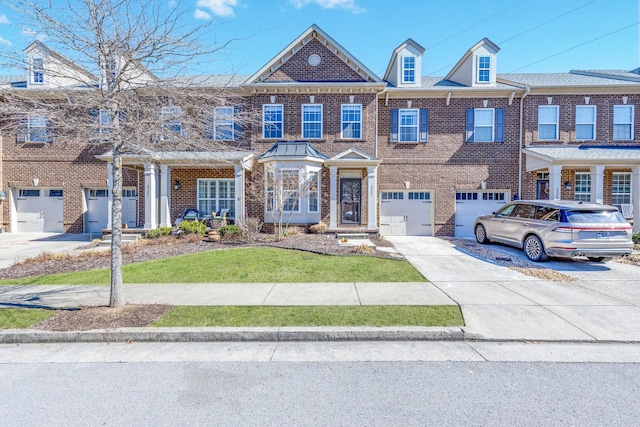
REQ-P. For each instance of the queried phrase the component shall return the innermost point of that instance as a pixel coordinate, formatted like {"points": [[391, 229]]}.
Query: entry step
{"points": [[352, 236]]}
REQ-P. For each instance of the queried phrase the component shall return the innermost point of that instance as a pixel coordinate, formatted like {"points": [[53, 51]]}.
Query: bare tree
{"points": [[128, 69]]}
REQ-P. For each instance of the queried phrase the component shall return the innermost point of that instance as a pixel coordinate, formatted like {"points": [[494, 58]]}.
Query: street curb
{"points": [[282, 334]]}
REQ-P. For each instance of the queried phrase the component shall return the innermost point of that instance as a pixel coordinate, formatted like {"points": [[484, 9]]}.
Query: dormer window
{"points": [[484, 69], [37, 71], [409, 69]]}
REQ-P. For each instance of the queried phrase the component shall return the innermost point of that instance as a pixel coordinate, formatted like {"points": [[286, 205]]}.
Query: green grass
{"points": [[21, 318], [245, 265], [203, 316]]}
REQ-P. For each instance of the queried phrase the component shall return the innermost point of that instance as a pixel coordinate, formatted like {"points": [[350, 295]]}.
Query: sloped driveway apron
{"points": [[500, 303]]}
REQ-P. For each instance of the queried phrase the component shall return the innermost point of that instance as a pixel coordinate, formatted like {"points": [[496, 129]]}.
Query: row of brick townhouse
{"points": [[399, 154]]}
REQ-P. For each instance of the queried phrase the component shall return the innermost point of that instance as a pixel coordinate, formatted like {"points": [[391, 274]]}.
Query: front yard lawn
{"points": [[244, 265]]}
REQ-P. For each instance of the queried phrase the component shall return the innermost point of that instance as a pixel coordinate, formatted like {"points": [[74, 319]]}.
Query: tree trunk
{"points": [[117, 295]]}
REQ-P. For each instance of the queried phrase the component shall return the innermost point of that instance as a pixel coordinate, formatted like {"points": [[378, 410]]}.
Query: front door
{"points": [[350, 201], [542, 189]]}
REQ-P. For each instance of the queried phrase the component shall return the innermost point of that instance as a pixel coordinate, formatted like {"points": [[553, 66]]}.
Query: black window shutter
{"points": [[470, 113], [499, 124], [22, 129], [237, 125], [424, 125], [49, 130], [394, 125]]}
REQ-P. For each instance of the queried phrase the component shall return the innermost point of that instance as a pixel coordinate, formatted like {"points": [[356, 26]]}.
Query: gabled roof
{"points": [[353, 158], [394, 55], [292, 150], [572, 79], [484, 42], [313, 32], [41, 46]]}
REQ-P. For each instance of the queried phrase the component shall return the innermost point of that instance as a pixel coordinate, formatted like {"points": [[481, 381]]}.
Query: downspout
{"points": [[521, 139]]}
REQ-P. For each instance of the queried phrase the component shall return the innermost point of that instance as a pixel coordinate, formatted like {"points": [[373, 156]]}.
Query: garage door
{"points": [[40, 210], [471, 204], [406, 213], [97, 215]]}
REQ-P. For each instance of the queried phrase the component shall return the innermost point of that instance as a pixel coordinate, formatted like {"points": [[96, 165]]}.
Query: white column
{"points": [[555, 182], [239, 184], [372, 184], [165, 196], [110, 193], [597, 184], [333, 197], [150, 197], [635, 197]]}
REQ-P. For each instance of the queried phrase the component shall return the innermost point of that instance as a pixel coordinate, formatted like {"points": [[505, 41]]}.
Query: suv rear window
{"points": [[594, 217]]}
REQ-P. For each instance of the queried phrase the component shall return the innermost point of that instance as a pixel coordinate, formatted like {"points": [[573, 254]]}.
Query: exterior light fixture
{"points": [[176, 184], [568, 186]]}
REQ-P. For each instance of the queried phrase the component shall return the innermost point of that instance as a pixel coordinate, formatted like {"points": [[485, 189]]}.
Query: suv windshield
{"points": [[594, 217]]}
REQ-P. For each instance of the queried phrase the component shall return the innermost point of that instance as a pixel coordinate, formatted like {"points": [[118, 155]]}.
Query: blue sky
{"points": [[534, 35]]}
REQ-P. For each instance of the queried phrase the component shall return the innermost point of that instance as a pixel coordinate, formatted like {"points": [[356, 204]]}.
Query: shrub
{"points": [[292, 231], [250, 228], [636, 238], [319, 228], [192, 227], [159, 232], [363, 249], [230, 231]]}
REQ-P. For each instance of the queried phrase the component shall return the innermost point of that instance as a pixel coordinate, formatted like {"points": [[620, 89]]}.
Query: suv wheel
{"points": [[481, 234], [534, 250]]}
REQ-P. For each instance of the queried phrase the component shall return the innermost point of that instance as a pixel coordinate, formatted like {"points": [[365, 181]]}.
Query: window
{"points": [[172, 122], [620, 188], [214, 195], [484, 69], [272, 121], [223, 123], [409, 125], [351, 121], [314, 192], [547, 122], [37, 71], [29, 193], [582, 190], [283, 190], [409, 69], [485, 125], [585, 122], [312, 121], [419, 195], [623, 122], [98, 193], [392, 195], [54, 193]]}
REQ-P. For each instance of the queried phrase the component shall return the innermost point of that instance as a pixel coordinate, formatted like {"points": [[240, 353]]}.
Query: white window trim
{"points": [[595, 119], [303, 122], [172, 117], [633, 112], [556, 123], [221, 119], [579, 176], [264, 122], [39, 70], [493, 124], [478, 69], [33, 118], [404, 68], [216, 198], [342, 122], [417, 125], [629, 193]]}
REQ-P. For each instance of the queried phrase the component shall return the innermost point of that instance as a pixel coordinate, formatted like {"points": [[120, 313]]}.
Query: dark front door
{"points": [[350, 200], [542, 189]]}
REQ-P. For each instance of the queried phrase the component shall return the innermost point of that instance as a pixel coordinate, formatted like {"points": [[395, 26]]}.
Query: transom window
{"points": [[582, 191], [392, 195], [466, 196], [312, 121], [37, 70], [547, 122], [484, 69], [409, 69], [351, 121], [419, 195], [483, 125], [620, 188], [272, 121], [216, 195], [29, 193], [585, 122], [408, 120], [623, 122]]}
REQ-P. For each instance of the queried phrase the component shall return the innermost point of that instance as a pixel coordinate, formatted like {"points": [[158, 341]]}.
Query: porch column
{"points": [[165, 196], [635, 197], [239, 184], [150, 197], [555, 178], [110, 194], [372, 184], [597, 184], [333, 197]]}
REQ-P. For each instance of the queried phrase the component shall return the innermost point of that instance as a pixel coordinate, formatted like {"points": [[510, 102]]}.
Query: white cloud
{"points": [[173, 3], [4, 19], [219, 7], [331, 4], [5, 42], [31, 33], [201, 14]]}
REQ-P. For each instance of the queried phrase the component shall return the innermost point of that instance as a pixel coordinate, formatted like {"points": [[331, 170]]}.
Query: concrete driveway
{"points": [[19, 246], [602, 304]]}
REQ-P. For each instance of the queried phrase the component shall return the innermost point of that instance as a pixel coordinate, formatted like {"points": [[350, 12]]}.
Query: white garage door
{"points": [[97, 215], [471, 204], [406, 213], [40, 210]]}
